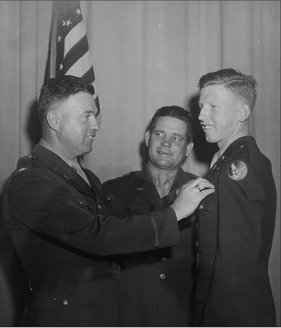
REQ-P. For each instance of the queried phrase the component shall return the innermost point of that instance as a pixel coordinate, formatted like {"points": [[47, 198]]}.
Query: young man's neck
{"points": [[243, 132]]}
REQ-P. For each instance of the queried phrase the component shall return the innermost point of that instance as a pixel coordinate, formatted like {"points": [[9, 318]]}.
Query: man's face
{"points": [[167, 144], [219, 114], [77, 125]]}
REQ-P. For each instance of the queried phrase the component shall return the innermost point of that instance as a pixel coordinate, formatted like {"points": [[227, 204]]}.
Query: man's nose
{"points": [[202, 113], [166, 141], [94, 124]]}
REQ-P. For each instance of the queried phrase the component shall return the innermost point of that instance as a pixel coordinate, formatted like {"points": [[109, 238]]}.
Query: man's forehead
{"points": [[82, 100], [215, 91], [169, 121], [171, 124]]}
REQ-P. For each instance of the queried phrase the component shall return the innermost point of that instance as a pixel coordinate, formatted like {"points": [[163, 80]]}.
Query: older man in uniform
{"points": [[62, 230], [236, 223], [156, 287]]}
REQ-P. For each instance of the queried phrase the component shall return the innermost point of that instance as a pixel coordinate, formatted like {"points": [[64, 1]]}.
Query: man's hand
{"points": [[190, 195]]}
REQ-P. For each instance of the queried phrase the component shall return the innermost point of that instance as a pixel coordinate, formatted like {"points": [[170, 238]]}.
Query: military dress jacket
{"points": [[65, 237], [156, 287], [236, 226]]}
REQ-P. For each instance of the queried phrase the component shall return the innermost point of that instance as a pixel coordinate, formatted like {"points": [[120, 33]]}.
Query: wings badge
{"points": [[237, 170]]}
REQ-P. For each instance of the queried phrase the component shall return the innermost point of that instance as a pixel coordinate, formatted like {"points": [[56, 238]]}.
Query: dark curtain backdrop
{"points": [[146, 54]]}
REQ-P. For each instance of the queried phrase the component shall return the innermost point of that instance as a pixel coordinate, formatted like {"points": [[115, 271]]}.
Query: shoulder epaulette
{"points": [[24, 164], [242, 152], [123, 179]]}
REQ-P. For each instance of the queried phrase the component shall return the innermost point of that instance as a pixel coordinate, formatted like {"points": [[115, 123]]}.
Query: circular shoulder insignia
{"points": [[237, 170]]}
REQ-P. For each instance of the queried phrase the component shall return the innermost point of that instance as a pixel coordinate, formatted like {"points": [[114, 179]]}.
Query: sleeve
{"points": [[115, 204], [241, 211], [42, 205]]}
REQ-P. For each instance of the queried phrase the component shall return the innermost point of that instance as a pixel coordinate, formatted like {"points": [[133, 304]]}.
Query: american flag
{"points": [[69, 49]]}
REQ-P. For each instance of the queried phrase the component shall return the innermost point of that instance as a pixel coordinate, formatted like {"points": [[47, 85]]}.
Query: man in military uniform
{"points": [[236, 223], [62, 230], [156, 287]]}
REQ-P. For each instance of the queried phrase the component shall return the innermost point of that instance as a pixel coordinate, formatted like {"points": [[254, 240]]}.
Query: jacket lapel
{"points": [[64, 171], [75, 180], [144, 187]]}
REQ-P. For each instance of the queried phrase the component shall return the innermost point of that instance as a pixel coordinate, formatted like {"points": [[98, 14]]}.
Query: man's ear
{"points": [[146, 138], [189, 148], [244, 112], [52, 120]]}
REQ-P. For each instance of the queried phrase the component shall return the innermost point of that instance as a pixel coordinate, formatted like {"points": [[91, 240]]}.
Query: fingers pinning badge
{"points": [[237, 170]]}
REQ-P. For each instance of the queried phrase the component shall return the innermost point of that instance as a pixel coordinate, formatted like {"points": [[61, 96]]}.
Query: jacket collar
{"points": [[54, 163], [144, 187], [238, 143]]}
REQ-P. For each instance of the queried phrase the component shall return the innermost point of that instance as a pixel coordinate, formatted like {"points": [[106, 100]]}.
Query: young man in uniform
{"points": [[236, 223]]}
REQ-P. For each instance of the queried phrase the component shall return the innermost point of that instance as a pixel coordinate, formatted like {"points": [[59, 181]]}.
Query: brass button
{"points": [[65, 302], [162, 276]]}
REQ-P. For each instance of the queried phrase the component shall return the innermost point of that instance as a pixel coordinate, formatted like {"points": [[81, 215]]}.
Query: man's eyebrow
{"points": [[179, 135], [89, 111]]}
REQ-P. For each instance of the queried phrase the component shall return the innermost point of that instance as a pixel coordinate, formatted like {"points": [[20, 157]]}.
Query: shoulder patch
{"points": [[237, 170]]}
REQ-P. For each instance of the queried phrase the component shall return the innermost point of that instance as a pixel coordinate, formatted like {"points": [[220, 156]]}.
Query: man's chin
{"points": [[87, 150], [163, 165], [210, 138]]}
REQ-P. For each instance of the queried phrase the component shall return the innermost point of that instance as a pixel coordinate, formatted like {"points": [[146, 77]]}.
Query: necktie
{"points": [[162, 185], [77, 168]]}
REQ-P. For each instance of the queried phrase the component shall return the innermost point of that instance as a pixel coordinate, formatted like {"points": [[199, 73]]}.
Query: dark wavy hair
{"points": [[176, 112]]}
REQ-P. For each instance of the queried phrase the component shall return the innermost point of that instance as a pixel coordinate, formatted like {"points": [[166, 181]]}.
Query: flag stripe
{"points": [[80, 66], [76, 52], [90, 75], [74, 35]]}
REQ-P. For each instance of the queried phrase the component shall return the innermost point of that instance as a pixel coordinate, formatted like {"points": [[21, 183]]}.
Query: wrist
{"points": [[177, 212]]}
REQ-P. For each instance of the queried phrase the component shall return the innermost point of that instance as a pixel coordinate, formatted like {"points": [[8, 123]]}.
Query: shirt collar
{"points": [[154, 173]]}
